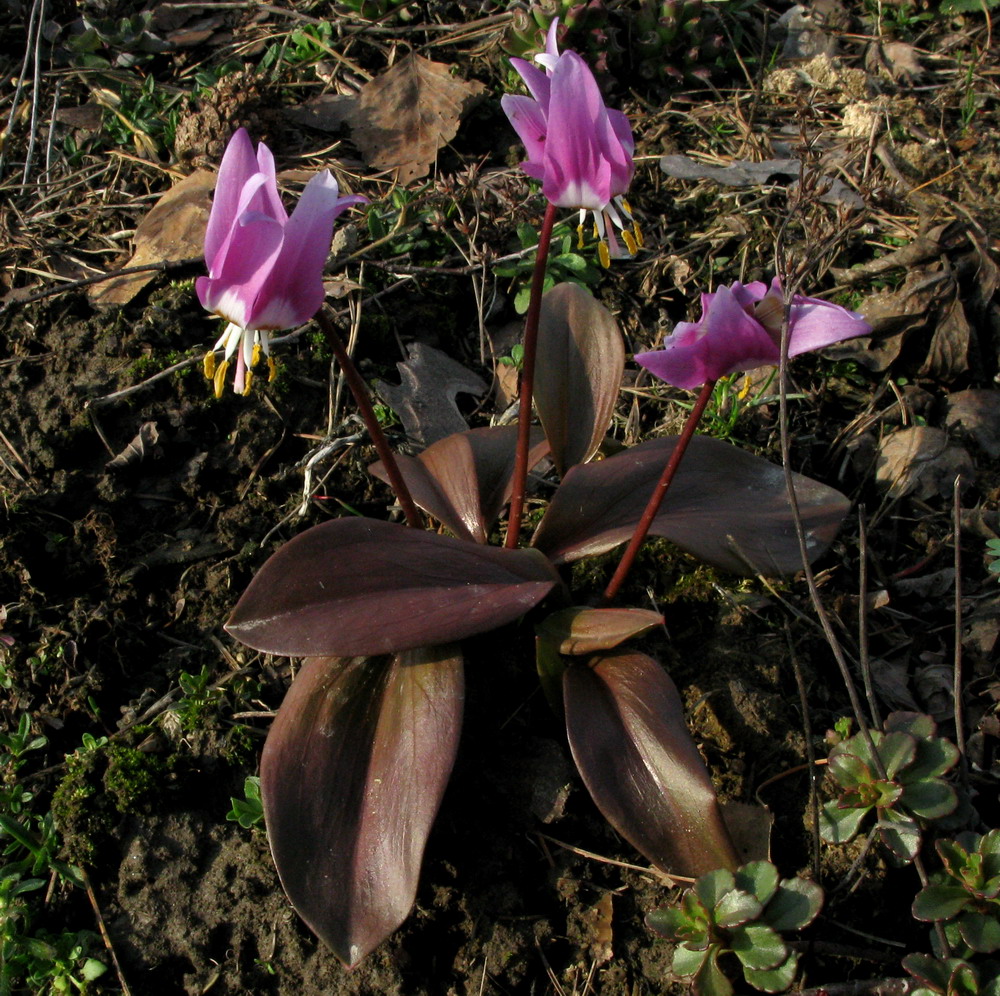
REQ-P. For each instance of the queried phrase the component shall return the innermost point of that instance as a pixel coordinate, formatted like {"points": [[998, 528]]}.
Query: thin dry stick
{"points": [[104, 932], [957, 668], [863, 658]]}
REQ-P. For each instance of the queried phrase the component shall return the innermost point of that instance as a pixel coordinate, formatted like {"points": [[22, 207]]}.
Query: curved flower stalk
{"points": [[265, 269], [578, 148], [740, 328]]}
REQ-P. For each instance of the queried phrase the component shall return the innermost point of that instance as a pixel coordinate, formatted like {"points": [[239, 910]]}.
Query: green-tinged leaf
{"points": [[626, 729], [954, 856], [981, 931], [93, 969], [849, 770], [838, 826], [670, 923], [464, 480], [930, 799], [931, 971], [897, 750], [361, 586], [705, 513], [963, 981], [939, 902], [550, 666], [759, 878], [578, 373], [934, 758], [795, 904], [711, 980], [900, 834], [688, 960], [736, 907], [917, 724], [712, 886], [773, 980], [758, 947], [580, 630], [352, 774]]}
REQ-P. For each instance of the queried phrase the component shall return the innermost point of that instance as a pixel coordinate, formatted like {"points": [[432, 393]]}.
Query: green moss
{"points": [[132, 777]]}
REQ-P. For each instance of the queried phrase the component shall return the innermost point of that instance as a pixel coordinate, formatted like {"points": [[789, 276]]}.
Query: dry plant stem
{"points": [[520, 478], [659, 493], [360, 392], [957, 668], [810, 750], [864, 660]]}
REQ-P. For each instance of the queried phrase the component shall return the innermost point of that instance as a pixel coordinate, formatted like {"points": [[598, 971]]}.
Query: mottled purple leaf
{"points": [[352, 774], [725, 507], [464, 480], [582, 630], [578, 372], [361, 586], [626, 730]]}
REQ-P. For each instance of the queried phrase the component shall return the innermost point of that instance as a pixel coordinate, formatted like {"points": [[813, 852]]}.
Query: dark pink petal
{"points": [[528, 121], [238, 165], [293, 289], [749, 294], [727, 339], [576, 173], [535, 80]]}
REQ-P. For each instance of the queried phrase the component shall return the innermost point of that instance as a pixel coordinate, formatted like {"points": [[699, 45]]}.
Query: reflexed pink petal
{"points": [[272, 205], [815, 323], [293, 290], [238, 165], [528, 121], [535, 80], [749, 294]]}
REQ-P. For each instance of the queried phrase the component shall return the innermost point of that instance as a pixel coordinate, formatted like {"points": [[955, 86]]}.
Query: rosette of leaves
{"points": [[951, 977], [736, 918], [360, 752], [901, 782], [676, 39], [965, 895], [583, 28]]}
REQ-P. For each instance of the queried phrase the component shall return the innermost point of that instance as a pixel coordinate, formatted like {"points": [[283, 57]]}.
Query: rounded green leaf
{"points": [[838, 826], [758, 947], [773, 980], [712, 886], [735, 908], [759, 878], [711, 980], [669, 923], [849, 770], [688, 960], [897, 750], [795, 904], [939, 902], [930, 799], [980, 931]]}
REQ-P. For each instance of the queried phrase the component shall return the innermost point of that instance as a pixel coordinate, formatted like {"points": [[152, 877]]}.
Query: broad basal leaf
{"points": [[626, 729], [464, 479], [352, 774], [361, 586], [578, 372], [582, 630], [726, 507]]}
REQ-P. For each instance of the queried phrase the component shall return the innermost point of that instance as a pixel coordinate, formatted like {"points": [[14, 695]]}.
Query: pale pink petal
{"points": [[814, 324], [293, 289], [528, 121], [535, 80], [749, 294], [238, 165], [270, 197]]}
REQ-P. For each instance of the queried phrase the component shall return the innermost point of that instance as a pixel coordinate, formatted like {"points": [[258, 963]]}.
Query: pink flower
{"points": [[740, 329], [265, 270], [579, 149]]}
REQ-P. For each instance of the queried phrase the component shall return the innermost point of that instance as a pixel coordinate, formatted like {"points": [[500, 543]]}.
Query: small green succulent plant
{"points": [[951, 977], [736, 918], [965, 895], [911, 793]]}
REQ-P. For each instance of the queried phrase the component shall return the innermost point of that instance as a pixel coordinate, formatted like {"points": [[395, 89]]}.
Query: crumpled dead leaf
{"points": [[743, 173], [406, 114], [948, 355], [977, 412], [173, 230], [922, 461], [424, 400], [144, 445]]}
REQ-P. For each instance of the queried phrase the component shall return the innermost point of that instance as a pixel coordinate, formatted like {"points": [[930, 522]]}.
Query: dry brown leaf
{"points": [[948, 356], [173, 230], [409, 112], [921, 461], [143, 446], [977, 412]]}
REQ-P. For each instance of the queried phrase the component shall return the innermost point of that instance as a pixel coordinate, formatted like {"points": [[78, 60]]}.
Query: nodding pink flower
{"points": [[579, 149], [740, 328], [265, 269]]}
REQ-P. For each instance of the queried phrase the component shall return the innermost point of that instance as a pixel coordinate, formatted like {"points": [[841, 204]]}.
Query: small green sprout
{"points": [[249, 811], [516, 358], [965, 894], [738, 914], [911, 793], [993, 553], [949, 977]]}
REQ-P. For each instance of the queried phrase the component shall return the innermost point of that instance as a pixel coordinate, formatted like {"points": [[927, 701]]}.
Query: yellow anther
{"points": [[637, 232], [630, 243], [255, 355], [220, 377], [208, 365], [597, 231], [745, 389], [247, 381], [579, 236], [604, 254], [272, 369]]}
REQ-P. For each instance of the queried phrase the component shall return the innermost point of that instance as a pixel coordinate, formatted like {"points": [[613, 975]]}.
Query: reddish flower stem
{"points": [[659, 492], [360, 391], [520, 478]]}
